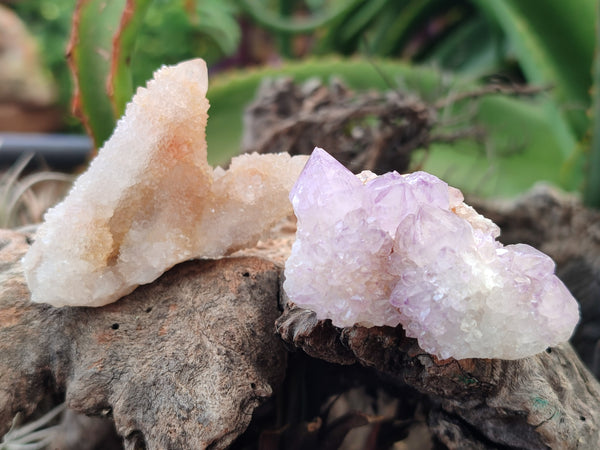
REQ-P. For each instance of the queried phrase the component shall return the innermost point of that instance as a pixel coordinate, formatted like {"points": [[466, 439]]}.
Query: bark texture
{"points": [[184, 362], [366, 131], [560, 226], [180, 363], [549, 400], [546, 401]]}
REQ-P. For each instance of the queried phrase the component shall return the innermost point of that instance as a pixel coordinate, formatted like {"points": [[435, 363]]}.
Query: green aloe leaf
{"points": [[591, 191], [120, 82], [89, 54], [103, 37], [526, 140], [554, 44], [230, 93], [525, 144]]}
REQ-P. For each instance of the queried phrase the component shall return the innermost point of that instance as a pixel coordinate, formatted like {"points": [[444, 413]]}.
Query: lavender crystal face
{"points": [[396, 249]]}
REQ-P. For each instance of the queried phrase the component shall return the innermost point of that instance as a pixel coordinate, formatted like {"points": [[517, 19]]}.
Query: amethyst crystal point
{"points": [[406, 249], [329, 270]]}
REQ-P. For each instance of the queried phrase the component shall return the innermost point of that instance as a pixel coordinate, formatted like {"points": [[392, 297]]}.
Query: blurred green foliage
{"points": [[548, 43], [464, 43], [591, 191], [523, 145], [175, 30], [169, 32]]}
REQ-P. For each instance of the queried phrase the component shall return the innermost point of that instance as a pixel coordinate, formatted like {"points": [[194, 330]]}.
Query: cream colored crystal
{"points": [[150, 200]]}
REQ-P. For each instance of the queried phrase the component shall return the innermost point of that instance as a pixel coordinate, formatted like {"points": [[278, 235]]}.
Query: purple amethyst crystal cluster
{"points": [[392, 249]]}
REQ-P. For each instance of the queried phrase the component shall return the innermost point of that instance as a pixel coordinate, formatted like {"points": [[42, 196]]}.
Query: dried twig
{"points": [[510, 90]]}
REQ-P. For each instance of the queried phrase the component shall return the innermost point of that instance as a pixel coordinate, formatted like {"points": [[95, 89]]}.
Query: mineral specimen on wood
{"points": [[396, 249], [151, 200]]}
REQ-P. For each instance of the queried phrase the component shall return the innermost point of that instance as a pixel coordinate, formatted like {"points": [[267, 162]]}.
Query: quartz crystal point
{"points": [[396, 249], [150, 200]]}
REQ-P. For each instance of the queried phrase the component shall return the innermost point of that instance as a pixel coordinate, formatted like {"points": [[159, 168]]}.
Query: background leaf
{"points": [[554, 43], [120, 81], [524, 145], [89, 54], [591, 192]]}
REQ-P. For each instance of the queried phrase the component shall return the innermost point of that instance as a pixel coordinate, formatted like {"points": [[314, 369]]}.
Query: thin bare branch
{"points": [[512, 90]]}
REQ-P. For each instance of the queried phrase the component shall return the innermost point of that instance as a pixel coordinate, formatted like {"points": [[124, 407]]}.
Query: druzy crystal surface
{"points": [[150, 200], [392, 249]]}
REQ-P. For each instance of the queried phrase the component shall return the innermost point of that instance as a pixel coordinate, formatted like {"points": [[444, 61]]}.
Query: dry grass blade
{"points": [[20, 203], [8, 179], [33, 436], [35, 203]]}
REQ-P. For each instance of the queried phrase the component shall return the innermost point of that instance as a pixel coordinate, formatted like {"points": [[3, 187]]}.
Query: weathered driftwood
{"points": [[180, 363], [80, 432], [561, 227], [546, 401], [480, 403], [367, 131], [363, 130], [549, 400]]}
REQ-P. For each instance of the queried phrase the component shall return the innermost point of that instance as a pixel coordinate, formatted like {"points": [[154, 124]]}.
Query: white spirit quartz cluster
{"points": [[392, 249], [150, 200]]}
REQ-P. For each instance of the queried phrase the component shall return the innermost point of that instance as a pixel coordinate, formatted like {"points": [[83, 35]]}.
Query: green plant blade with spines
{"points": [[103, 38], [524, 144], [89, 54], [102, 47], [120, 83], [539, 137], [591, 190], [554, 44]]}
